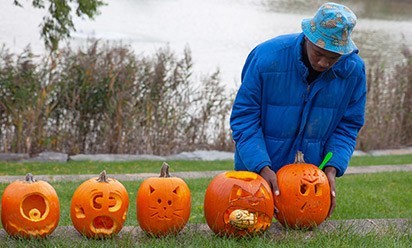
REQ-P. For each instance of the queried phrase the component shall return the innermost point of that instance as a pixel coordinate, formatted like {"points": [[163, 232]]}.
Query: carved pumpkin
{"points": [[238, 203], [304, 199], [163, 204], [99, 207], [30, 208]]}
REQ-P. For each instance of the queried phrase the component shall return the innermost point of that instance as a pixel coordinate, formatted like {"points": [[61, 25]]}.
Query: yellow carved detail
{"points": [[242, 219], [35, 214]]}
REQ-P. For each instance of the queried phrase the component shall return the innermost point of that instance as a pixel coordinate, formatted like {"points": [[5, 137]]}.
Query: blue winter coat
{"points": [[276, 112]]}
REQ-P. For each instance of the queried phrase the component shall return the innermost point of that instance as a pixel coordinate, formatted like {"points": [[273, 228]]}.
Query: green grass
{"points": [[374, 196], [363, 196], [95, 167], [381, 160]]}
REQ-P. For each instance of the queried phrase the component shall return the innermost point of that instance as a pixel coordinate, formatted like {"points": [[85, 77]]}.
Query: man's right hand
{"points": [[270, 176]]}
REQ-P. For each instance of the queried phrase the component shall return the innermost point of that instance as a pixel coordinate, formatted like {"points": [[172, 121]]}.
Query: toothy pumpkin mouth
{"points": [[32, 232]]}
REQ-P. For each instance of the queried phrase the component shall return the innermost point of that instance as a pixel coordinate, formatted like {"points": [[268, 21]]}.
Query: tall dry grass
{"points": [[389, 105], [107, 99]]}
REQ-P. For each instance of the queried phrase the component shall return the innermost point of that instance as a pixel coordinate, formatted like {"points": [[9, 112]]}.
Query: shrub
{"points": [[389, 105], [108, 100]]}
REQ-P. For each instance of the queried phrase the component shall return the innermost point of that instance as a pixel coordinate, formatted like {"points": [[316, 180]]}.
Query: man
{"points": [[301, 92]]}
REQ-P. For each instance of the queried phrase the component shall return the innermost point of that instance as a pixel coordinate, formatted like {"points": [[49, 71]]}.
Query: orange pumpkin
{"points": [[30, 208], [99, 207], [238, 203], [163, 204], [304, 199]]}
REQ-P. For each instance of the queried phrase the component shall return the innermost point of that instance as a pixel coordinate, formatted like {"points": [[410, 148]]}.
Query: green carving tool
{"points": [[325, 160]]}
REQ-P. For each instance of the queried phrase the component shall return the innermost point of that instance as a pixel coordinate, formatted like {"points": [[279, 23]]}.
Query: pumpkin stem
{"points": [[299, 158], [164, 172], [30, 178], [103, 177]]}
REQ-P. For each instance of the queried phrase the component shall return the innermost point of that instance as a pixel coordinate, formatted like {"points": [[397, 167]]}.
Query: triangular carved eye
{"points": [[262, 192], [304, 189], [177, 190], [238, 192], [151, 189]]}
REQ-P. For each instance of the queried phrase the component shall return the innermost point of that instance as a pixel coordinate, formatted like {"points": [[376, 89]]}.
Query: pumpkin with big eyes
{"points": [[238, 203], [99, 207], [304, 199], [30, 208], [163, 204]]}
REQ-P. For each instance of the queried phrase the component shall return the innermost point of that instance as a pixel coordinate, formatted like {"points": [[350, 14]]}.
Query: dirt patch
{"points": [[359, 226]]}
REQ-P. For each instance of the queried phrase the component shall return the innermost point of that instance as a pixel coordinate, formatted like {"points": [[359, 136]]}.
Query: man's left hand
{"points": [[331, 175]]}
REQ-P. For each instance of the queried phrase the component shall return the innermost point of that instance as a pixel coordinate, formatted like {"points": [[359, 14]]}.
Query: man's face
{"points": [[320, 59]]}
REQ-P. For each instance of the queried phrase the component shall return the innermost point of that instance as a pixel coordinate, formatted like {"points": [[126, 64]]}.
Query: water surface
{"points": [[220, 33]]}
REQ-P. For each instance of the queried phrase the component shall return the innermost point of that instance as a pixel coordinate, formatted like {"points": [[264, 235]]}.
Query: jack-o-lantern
{"points": [[304, 199], [238, 203], [30, 208], [99, 207], [163, 204]]}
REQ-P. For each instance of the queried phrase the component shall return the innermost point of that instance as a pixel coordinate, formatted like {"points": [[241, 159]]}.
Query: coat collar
{"points": [[342, 69]]}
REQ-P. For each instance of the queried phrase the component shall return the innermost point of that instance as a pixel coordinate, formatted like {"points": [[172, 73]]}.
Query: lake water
{"points": [[220, 33]]}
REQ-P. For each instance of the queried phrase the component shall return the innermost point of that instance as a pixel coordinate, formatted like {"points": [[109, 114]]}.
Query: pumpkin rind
{"points": [[99, 207], [238, 203], [163, 204], [30, 209], [304, 199]]}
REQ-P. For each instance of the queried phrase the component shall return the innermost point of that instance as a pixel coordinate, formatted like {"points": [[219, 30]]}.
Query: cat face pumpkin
{"points": [[163, 205], [247, 210], [238, 203]]}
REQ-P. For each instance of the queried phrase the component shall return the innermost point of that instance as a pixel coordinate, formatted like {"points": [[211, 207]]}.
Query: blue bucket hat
{"points": [[331, 27]]}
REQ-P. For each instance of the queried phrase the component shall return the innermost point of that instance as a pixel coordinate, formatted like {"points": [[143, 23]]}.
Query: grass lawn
{"points": [[363, 196], [94, 167]]}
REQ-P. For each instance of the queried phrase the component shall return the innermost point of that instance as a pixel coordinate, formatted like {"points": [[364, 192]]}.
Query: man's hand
{"points": [[331, 175], [270, 176]]}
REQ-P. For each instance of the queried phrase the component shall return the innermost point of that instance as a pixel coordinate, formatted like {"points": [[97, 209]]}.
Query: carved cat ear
{"points": [[151, 189], [237, 193], [262, 192], [176, 190]]}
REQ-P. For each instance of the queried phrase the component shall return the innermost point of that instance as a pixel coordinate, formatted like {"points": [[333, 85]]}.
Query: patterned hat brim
{"points": [[325, 42]]}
